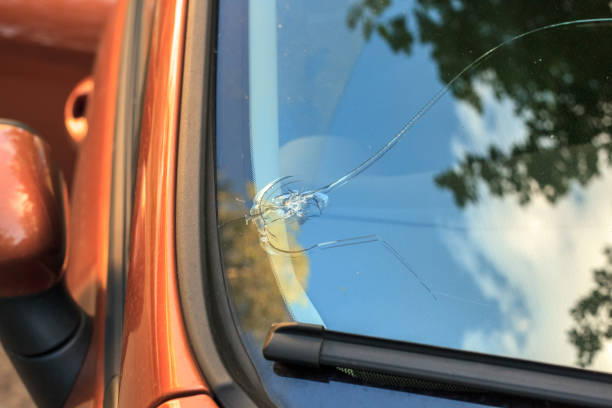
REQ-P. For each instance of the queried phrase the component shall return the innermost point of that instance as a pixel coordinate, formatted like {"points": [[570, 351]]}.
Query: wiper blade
{"points": [[316, 347]]}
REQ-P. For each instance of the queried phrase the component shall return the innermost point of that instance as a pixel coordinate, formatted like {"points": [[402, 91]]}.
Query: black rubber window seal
{"points": [[207, 310]]}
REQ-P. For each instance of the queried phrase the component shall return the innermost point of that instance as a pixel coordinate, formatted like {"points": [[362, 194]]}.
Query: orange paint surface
{"points": [[32, 217], [74, 24], [90, 205], [34, 84], [194, 401], [157, 362]]}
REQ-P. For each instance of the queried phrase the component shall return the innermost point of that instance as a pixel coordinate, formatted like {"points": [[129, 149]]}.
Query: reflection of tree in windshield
{"points": [[559, 82], [394, 30], [254, 289], [564, 94], [593, 315]]}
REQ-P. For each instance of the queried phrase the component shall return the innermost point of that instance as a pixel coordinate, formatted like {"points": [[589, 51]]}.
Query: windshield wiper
{"points": [[316, 347]]}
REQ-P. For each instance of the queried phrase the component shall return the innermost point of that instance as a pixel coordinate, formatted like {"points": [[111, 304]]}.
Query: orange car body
{"points": [[157, 368]]}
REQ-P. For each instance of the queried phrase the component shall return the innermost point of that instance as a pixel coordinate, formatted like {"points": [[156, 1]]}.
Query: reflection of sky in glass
{"points": [[505, 276]]}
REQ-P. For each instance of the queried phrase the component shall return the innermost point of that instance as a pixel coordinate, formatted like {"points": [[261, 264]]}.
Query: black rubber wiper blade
{"points": [[316, 347]]}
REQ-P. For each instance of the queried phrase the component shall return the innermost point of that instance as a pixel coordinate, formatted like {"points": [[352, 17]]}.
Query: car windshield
{"points": [[429, 171]]}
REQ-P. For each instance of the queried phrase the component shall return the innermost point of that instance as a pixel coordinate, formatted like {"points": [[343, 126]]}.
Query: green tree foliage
{"points": [[560, 82], [393, 30], [248, 269], [593, 315]]}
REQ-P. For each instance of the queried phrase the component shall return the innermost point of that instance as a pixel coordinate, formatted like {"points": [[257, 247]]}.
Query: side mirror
{"points": [[44, 332]]}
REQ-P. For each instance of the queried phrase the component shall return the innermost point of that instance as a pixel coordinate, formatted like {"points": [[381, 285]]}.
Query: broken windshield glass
{"points": [[284, 200], [442, 164]]}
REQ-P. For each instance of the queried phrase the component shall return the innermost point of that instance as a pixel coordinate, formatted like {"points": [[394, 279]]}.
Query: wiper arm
{"points": [[316, 347]]}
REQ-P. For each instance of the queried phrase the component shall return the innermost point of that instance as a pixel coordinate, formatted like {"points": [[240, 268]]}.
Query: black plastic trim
{"points": [[36, 324], [47, 337], [314, 346], [207, 310]]}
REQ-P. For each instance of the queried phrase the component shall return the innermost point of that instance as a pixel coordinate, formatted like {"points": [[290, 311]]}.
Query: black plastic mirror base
{"points": [[46, 336], [35, 324]]}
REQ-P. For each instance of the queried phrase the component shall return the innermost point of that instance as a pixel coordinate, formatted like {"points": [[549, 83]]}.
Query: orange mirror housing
{"points": [[32, 213]]}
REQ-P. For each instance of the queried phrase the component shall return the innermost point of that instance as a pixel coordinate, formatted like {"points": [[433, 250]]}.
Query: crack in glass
{"points": [[280, 200]]}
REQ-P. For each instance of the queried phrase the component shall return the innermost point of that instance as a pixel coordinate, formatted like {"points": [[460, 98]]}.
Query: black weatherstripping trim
{"points": [[314, 346], [206, 307]]}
